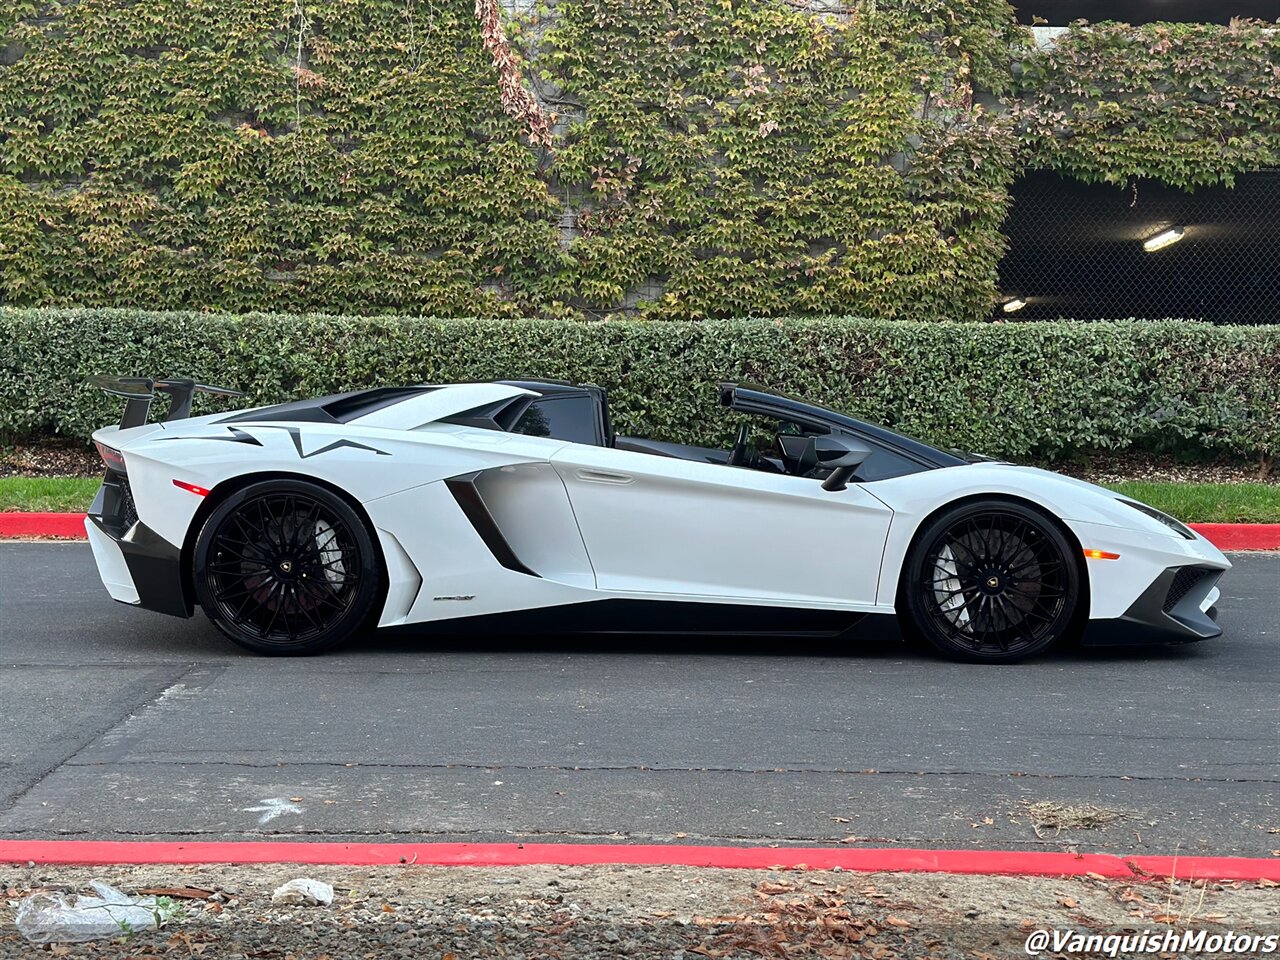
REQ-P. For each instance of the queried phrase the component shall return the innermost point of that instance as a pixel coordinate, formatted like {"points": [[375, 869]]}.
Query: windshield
{"points": [[757, 400]]}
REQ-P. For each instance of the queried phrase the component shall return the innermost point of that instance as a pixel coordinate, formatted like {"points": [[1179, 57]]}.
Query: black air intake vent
{"points": [[128, 511], [1184, 581]]}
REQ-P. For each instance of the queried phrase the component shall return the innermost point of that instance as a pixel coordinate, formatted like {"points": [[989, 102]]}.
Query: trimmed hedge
{"points": [[1027, 390]]}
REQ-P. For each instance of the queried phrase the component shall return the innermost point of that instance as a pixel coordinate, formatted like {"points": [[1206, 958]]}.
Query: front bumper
{"points": [[136, 564], [1178, 607]]}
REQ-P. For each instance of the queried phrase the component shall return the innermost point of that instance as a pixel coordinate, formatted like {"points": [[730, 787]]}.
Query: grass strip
{"points": [[1208, 502], [48, 494]]}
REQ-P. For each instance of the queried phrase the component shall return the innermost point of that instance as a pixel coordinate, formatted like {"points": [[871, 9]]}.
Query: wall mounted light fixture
{"points": [[1166, 238]]}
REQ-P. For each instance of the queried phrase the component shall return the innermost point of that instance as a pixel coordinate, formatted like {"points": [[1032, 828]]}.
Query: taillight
{"points": [[111, 457]]}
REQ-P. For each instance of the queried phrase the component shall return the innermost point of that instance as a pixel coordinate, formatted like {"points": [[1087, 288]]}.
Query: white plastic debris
{"points": [[304, 891], [46, 918]]}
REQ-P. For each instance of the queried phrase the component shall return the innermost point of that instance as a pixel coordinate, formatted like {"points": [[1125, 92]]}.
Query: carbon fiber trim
{"points": [[155, 566]]}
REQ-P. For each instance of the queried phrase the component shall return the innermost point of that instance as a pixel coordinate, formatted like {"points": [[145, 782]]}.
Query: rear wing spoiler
{"points": [[138, 393]]}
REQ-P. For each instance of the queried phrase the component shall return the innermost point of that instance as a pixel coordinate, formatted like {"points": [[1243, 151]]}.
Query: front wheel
{"points": [[286, 567], [991, 582]]}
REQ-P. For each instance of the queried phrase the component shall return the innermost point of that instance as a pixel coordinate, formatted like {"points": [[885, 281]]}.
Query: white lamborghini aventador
{"points": [[512, 506]]}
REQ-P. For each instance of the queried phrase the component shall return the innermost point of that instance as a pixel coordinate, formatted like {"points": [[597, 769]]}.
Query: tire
{"points": [[286, 568], [991, 581]]}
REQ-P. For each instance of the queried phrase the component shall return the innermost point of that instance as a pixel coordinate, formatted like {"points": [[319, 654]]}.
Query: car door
{"points": [[661, 525]]}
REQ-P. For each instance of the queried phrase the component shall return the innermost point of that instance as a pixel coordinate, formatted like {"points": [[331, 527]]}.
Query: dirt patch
{"points": [[1111, 468], [50, 459], [668, 912]]}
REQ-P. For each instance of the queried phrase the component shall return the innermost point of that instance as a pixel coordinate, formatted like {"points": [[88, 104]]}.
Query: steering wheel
{"points": [[743, 452]]}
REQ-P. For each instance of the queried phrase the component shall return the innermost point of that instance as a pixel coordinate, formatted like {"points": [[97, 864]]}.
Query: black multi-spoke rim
{"points": [[283, 567], [995, 583]]}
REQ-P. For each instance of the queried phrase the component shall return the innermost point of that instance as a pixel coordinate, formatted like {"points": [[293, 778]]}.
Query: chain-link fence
{"points": [[1059, 13], [1144, 250]]}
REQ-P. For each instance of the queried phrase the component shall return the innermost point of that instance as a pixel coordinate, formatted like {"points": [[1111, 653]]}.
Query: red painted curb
{"points": [[1240, 536], [996, 862], [1225, 536], [63, 525]]}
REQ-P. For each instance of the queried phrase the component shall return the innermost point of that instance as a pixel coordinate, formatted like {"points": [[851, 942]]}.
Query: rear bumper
{"points": [[1178, 607], [136, 564]]}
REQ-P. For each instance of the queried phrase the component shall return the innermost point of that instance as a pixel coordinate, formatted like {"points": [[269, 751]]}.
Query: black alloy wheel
{"points": [[286, 567], [992, 582]]}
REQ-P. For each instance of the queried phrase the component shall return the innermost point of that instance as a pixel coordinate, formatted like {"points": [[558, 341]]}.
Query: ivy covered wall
{"points": [[1187, 104], [671, 158]]}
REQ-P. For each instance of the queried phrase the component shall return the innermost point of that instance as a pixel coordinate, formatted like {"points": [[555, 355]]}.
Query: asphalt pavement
{"points": [[118, 723]]}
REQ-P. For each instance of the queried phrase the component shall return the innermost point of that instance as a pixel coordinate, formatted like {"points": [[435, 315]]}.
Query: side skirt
{"points": [[659, 617]]}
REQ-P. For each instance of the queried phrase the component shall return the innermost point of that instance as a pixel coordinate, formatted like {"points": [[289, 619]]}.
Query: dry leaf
{"points": [[1264, 882], [897, 921], [1069, 903], [773, 889], [178, 893], [1096, 876], [716, 921]]}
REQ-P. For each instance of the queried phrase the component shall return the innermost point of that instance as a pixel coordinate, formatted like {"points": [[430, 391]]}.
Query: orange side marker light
{"points": [[1090, 554], [201, 491]]}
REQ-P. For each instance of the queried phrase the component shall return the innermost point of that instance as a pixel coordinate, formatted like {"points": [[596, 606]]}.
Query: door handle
{"points": [[601, 476]]}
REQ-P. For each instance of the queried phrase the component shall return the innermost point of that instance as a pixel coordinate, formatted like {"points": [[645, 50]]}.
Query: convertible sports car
{"points": [[512, 506]]}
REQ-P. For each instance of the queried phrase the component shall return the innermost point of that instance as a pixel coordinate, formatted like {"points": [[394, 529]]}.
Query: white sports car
{"points": [[512, 506]]}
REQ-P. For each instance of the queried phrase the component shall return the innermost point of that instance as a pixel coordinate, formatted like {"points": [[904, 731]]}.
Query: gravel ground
{"points": [[566, 913]]}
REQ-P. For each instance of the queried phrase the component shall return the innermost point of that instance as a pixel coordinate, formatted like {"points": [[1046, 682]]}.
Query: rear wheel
{"points": [[286, 567], [991, 582]]}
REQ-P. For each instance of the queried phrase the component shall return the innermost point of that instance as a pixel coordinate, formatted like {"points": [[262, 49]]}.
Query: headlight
{"points": [[1177, 526]]}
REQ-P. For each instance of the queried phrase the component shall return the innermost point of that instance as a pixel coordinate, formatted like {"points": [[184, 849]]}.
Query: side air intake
{"points": [[467, 494]]}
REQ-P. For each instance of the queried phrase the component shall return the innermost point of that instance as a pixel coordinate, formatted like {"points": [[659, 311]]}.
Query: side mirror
{"points": [[843, 455]]}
